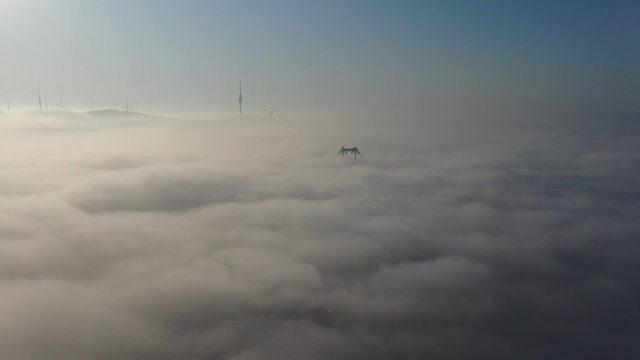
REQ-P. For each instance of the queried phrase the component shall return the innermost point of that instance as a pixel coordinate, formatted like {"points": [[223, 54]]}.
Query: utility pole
{"points": [[240, 98]]}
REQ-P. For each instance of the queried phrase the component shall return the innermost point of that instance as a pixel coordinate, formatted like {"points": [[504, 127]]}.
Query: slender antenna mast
{"points": [[240, 98], [39, 100]]}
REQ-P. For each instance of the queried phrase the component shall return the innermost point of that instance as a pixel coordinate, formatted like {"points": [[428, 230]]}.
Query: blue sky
{"points": [[325, 54]]}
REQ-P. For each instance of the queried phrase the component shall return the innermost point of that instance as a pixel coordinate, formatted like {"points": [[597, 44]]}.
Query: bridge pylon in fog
{"points": [[351, 153]]}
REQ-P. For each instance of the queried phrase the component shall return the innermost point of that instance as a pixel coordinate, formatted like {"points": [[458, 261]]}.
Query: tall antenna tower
{"points": [[240, 99]]}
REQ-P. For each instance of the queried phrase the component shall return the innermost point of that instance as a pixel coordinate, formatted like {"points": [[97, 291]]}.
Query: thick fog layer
{"points": [[149, 238]]}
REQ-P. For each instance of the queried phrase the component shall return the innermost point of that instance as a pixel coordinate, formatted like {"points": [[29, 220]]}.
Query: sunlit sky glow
{"points": [[327, 54]]}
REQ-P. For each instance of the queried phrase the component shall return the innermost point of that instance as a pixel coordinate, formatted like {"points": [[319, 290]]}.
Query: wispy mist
{"points": [[491, 214]]}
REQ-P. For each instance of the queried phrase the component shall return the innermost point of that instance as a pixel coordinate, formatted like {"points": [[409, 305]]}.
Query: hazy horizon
{"points": [[518, 60]]}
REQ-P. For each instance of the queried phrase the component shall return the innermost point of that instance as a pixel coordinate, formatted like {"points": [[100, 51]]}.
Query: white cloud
{"points": [[253, 241]]}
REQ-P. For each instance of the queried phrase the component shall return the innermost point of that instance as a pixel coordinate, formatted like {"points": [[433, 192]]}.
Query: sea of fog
{"points": [[129, 236]]}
